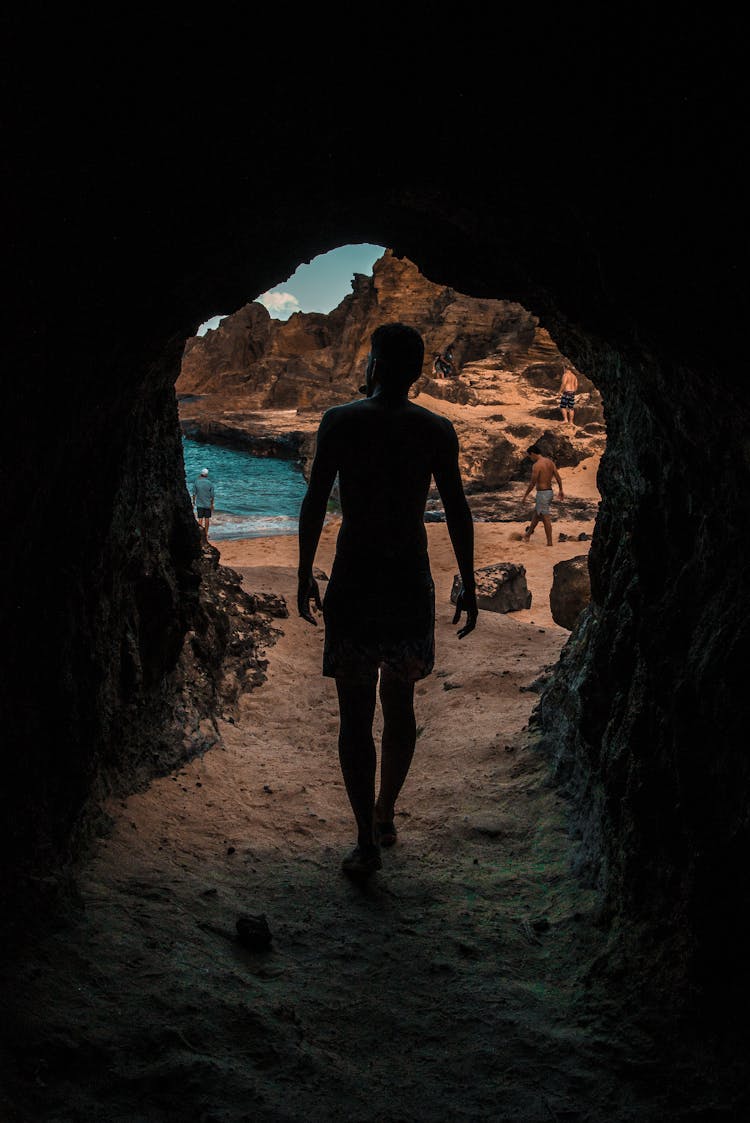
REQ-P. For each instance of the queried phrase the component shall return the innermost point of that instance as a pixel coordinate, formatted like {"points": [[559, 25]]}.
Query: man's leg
{"points": [[532, 526], [547, 521], [397, 746], [357, 752]]}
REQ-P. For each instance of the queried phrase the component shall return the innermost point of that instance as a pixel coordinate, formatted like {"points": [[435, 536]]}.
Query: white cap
{"points": [[204, 471]]}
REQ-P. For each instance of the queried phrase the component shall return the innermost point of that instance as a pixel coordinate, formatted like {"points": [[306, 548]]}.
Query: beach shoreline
{"points": [[493, 542]]}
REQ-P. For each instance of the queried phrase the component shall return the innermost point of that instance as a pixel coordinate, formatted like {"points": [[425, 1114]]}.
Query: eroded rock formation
{"points": [[312, 360], [262, 384]]}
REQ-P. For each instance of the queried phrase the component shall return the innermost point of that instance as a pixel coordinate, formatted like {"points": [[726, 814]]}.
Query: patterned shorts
{"points": [[374, 621], [543, 501], [567, 400]]}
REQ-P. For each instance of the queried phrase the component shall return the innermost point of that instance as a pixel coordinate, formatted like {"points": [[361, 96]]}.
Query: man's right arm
{"points": [[311, 518], [460, 524]]}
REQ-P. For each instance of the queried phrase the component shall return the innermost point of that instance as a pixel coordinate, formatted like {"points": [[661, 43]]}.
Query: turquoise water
{"points": [[255, 496]]}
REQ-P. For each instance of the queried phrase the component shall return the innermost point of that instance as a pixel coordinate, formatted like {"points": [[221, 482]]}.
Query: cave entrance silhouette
{"points": [[616, 217]]}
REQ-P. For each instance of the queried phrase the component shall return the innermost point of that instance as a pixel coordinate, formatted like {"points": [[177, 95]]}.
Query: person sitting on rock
{"points": [[379, 607], [542, 475]]}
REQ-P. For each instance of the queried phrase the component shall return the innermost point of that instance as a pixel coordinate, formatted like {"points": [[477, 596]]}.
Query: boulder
{"points": [[500, 587], [571, 590]]}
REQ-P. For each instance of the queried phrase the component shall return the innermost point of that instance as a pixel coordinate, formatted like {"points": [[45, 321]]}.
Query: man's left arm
{"points": [[532, 481], [559, 484], [311, 518]]}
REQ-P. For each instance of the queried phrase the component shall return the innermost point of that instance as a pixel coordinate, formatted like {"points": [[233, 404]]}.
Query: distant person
{"points": [[568, 387], [203, 497], [379, 608], [443, 363], [542, 475]]}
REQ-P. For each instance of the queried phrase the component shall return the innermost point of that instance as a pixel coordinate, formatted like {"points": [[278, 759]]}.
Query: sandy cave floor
{"points": [[451, 987]]}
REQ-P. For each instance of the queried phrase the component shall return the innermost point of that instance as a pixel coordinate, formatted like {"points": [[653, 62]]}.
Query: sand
{"points": [[450, 987]]}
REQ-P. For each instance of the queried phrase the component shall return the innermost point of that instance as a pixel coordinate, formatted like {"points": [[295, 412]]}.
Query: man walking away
{"points": [[542, 475], [203, 498], [379, 608], [568, 387]]}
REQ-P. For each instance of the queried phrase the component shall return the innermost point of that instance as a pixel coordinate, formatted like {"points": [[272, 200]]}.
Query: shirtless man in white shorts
{"points": [[542, 475]]}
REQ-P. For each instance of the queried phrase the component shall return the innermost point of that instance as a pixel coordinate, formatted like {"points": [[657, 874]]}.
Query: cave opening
{"points": [[601, 694], [595, 175]]}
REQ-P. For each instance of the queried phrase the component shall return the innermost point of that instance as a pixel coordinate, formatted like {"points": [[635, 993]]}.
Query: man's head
{"points": [[396, 357], [204, 471], [534, 452]]}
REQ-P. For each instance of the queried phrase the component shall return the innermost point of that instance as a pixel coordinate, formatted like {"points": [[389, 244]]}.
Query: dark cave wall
{"points": [[103, 582], [644, 716], [137, 210]]}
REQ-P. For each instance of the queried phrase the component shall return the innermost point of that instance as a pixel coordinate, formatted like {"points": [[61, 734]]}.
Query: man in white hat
{"points": [[203, 498]]}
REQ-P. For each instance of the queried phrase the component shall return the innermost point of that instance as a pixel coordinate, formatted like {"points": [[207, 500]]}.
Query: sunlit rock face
{"points": [[312, 360], [612, 221], [263, 385]]}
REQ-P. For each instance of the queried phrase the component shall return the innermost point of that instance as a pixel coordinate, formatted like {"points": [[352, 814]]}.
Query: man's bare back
{"points": [[543, 473], [385, 456], [569, 381]]}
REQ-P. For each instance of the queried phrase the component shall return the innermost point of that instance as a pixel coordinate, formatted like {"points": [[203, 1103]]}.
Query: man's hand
{"points": [[307, 590], [466, 601]]}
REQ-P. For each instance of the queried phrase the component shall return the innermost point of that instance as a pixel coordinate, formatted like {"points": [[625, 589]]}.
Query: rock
{"points": [[253, 932], [571, 590], [273, 604], [444, 389], [582, 537], [500, 587]]}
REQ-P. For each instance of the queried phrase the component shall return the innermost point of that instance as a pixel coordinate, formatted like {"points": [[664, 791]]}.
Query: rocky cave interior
{"points": [[643, 720]]}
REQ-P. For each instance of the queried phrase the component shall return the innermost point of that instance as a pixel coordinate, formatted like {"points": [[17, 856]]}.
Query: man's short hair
{"points": [[535, 449], [399, 350]]}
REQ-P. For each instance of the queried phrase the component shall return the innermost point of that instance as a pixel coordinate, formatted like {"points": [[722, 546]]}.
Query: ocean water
{"points": [[255, 496]]}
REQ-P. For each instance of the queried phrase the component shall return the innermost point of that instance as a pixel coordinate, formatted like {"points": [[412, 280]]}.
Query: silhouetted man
{"points": [[379, 608]]}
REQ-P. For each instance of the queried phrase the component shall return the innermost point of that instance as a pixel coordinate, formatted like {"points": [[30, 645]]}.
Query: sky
{"points": [[317, 287]]}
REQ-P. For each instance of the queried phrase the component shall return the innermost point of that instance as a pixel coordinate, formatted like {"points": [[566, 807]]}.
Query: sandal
{"points": [[386, 833], [362, 861]]}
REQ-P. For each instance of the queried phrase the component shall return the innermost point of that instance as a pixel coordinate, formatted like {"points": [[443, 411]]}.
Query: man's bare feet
{"points": [[363, 861]]}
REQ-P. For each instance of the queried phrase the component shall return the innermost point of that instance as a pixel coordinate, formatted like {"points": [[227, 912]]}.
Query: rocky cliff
{"points": [[315, 360], [263, 384]]}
